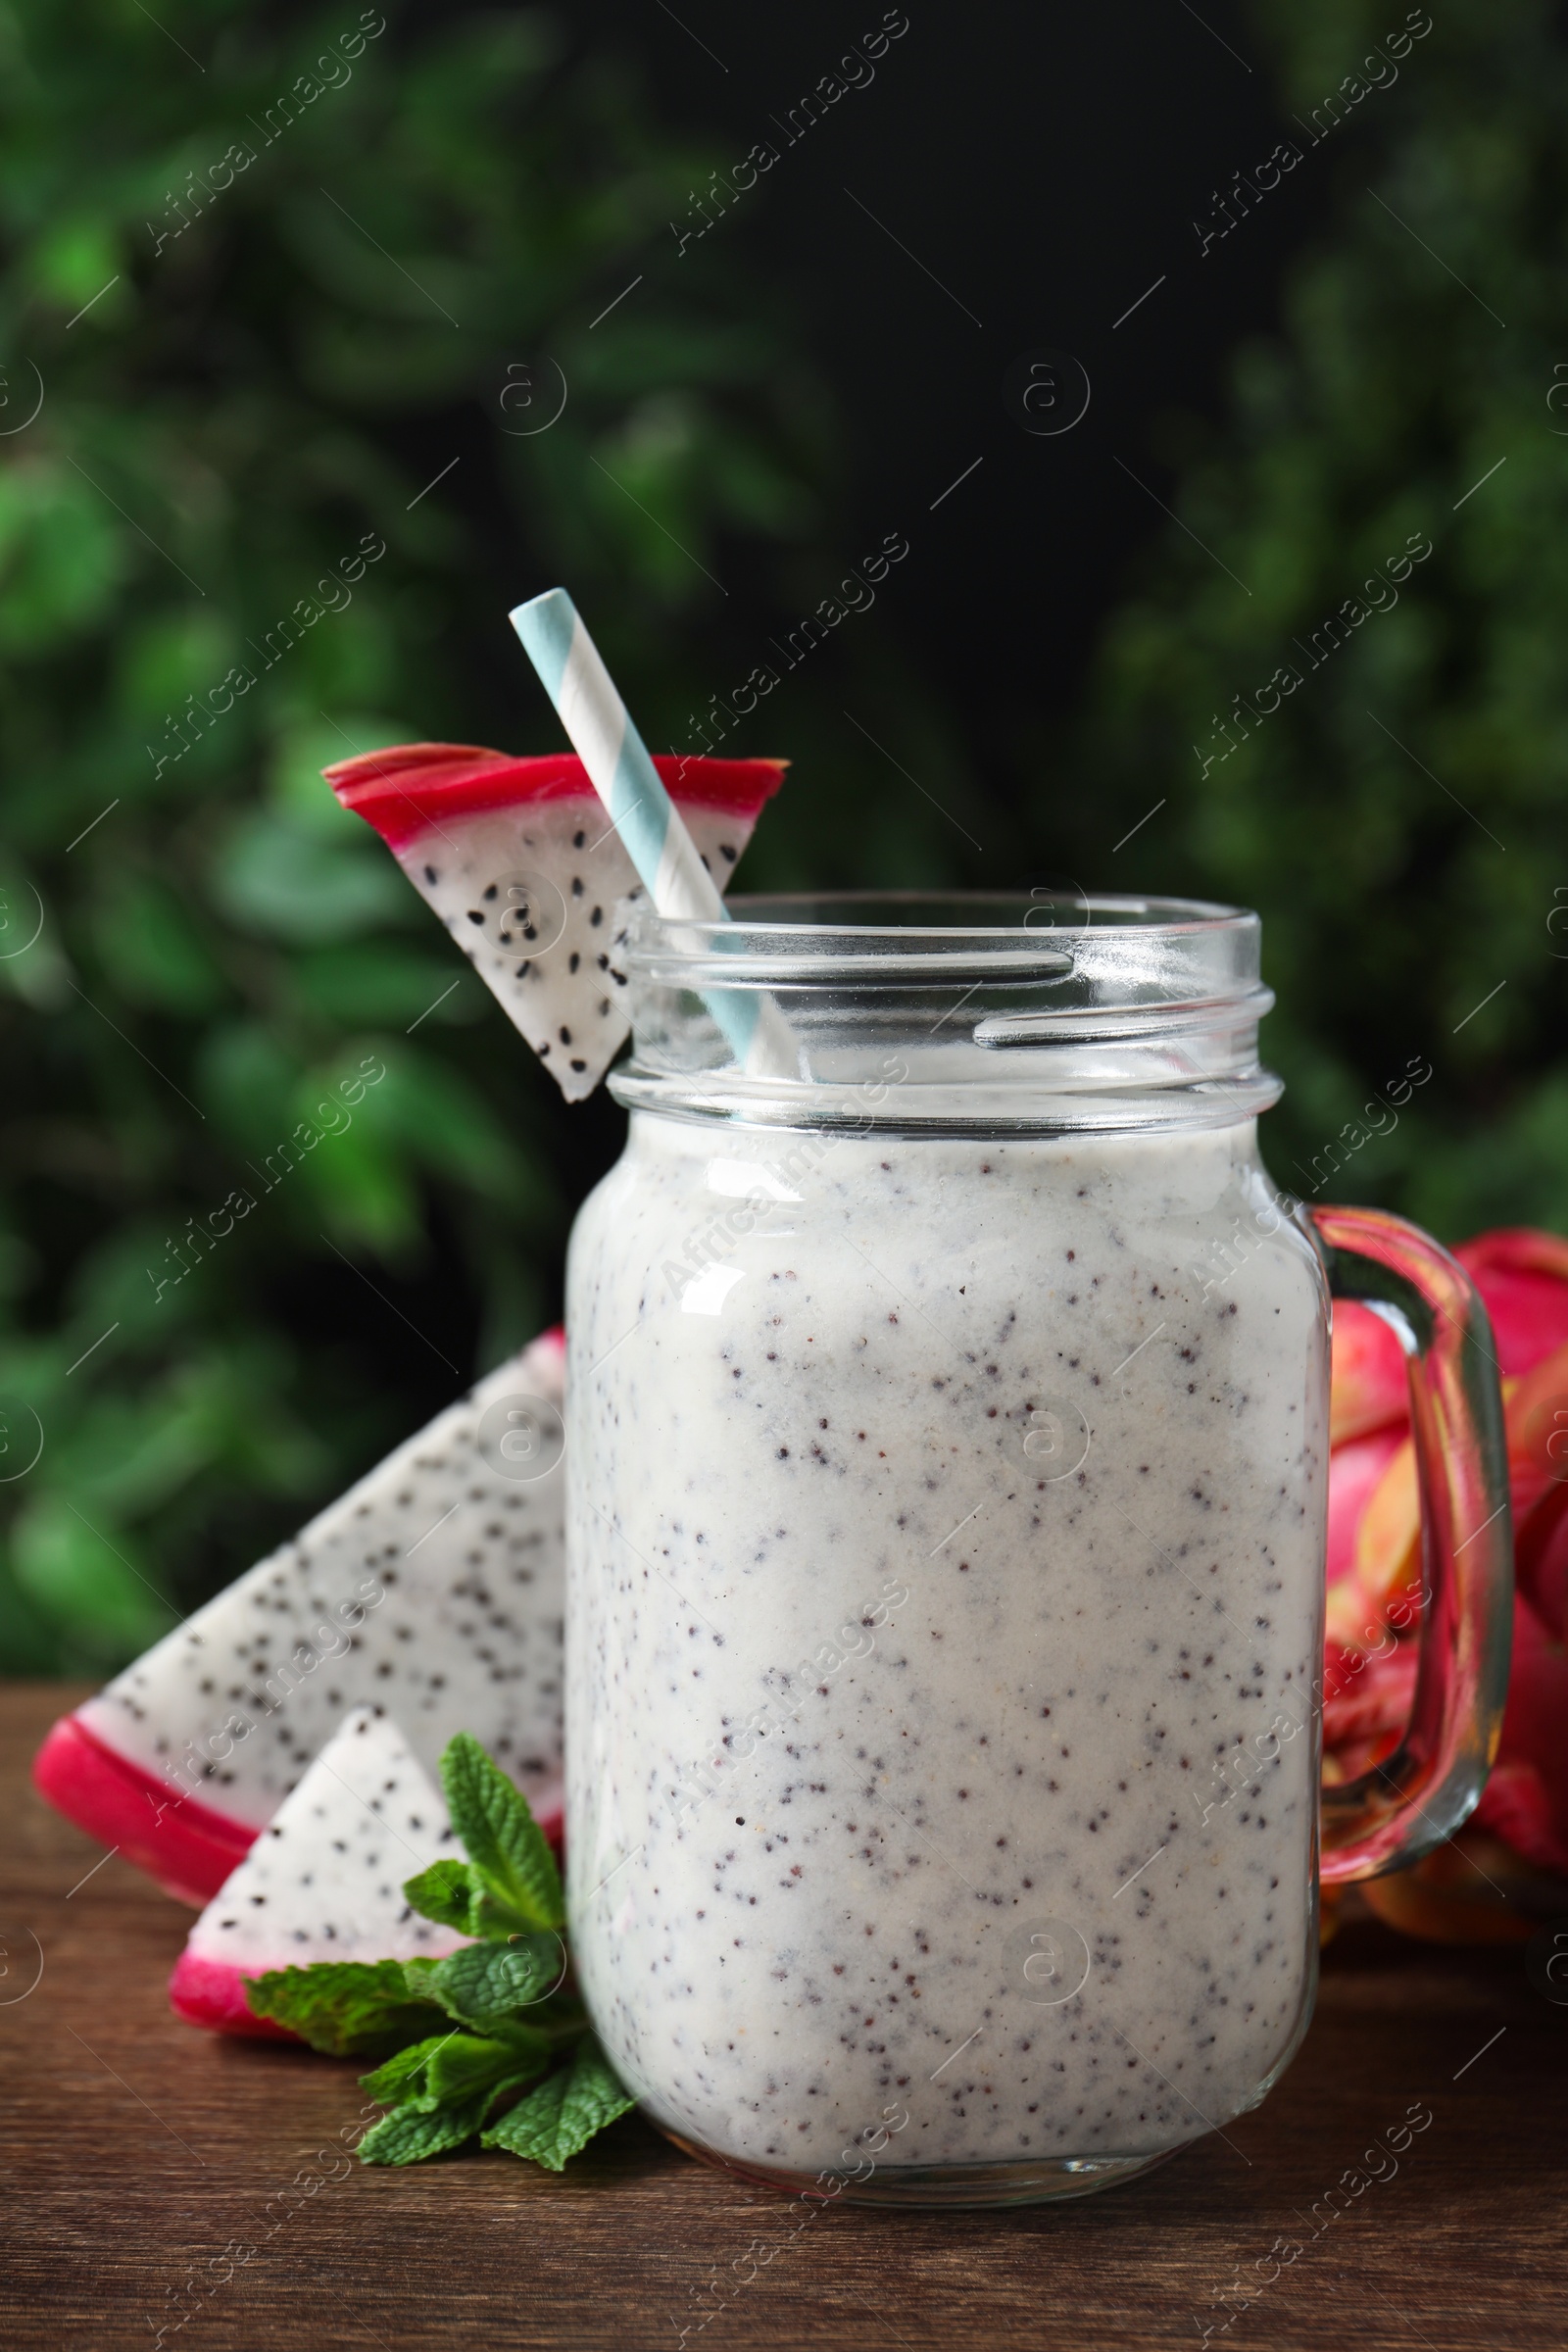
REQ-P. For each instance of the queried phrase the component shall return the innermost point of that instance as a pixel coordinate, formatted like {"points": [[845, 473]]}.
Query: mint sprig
{"points": [[486, 2037]]}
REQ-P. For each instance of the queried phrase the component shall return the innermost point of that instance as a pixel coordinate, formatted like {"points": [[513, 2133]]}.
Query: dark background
{"points": [[1047, 166]]}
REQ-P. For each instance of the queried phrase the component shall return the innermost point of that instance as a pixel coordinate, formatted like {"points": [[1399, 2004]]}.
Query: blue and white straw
{"points": [[650, 825]]}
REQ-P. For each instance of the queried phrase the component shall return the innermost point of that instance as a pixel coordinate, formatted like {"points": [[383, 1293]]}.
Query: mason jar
{"points": [[947, 1440]]}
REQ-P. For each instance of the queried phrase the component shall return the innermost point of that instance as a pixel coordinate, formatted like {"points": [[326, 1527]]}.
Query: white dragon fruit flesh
{"points": [[519, 859], [434, 1586], [324, 1881]]}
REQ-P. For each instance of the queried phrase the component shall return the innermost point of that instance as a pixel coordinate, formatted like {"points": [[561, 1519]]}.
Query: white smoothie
{"points": [[895, 1717]]}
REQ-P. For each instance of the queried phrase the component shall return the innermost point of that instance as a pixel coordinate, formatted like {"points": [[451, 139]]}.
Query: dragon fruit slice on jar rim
{"points": [[519, 859], [434, 1585], [326, 1881], [1508, 1867]]}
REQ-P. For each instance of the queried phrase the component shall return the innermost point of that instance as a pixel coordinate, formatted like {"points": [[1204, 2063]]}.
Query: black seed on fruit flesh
{"points": [[579, 1065], [523, 969], [620, 978], [725, 850], [598, 915], [543, 1051], [703, 853], [573, 960], [491, 889], [474, 918], [576, 886], [604, 964], [431, 874], [565, 1037], [530, 930], [604, 1004], [577, 840]]}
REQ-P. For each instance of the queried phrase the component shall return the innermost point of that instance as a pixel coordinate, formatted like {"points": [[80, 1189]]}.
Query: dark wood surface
{"points": [[138, 2150]]}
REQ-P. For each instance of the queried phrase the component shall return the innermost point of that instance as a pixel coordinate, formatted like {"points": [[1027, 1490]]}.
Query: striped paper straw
{"points": [[651, 828]]}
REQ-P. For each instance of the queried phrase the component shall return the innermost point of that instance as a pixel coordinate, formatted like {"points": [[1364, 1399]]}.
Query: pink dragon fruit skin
{"points": [[324, 1881], [521, 861], [434, 1586], [1522, 1274]]}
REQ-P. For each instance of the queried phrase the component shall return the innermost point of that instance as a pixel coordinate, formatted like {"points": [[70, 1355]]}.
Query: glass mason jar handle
{"points": [[1402, 1808]]}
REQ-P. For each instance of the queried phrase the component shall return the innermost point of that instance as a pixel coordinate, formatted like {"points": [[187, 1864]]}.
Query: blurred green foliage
{"points": [[247, 366], [359, 335], [1402, 817]]}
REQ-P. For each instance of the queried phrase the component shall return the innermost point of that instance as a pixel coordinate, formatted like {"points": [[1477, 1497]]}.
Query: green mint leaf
{"points": [[402, 2079], [488, 1981], [504, 1842], [458, 2065], [442, 2089], [498, 1918], [532, 2129], [409, 2135], [445, 1892], [596, 2094], [348, 2008], [560, 2117], [469, 2065]]}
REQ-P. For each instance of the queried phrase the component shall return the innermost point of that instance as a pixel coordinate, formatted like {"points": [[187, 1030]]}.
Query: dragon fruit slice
{"points": [[521, 861], [435, 1586], [326, 1881]]}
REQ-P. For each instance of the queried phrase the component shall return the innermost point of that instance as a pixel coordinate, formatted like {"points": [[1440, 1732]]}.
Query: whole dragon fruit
{"points": [[1507, 1868]]}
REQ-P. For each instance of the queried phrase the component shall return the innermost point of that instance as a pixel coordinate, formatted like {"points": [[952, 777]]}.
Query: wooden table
{"points": [[139, 2149]]}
